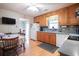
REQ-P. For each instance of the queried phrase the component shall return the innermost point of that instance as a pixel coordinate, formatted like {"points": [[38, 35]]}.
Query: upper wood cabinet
{"points": [[71, 14], [62, 13], [63, 16], [41, 20], [66, 16], [36, 19]]}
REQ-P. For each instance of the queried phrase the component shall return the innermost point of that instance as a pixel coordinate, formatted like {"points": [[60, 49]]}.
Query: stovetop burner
{"points": [[73, 38]]}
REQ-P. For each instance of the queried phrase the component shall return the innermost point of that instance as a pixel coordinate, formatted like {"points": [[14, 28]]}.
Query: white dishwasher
{"points": [[60, 39]]}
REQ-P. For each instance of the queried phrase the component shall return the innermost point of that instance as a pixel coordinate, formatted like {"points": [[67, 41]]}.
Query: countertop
{"points": [[57, 32], [70, 47], [54, 32]]}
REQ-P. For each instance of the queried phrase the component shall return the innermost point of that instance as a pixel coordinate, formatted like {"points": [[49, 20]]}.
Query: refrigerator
{"points": [[34, 28]]}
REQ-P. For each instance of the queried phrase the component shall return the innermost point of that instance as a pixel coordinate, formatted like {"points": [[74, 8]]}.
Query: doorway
{"points": [[25, 29]]}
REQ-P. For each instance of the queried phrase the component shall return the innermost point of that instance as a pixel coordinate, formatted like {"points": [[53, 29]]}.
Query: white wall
{"points": [[12, 28]]}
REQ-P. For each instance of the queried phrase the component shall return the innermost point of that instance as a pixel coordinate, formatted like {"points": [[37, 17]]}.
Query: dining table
{"points": [[6, 37]]}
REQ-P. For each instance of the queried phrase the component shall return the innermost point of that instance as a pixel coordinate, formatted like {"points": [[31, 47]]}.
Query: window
{"points": [[53, 22]]}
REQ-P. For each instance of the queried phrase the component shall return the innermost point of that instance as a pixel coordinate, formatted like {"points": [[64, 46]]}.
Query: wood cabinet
{"points": [[36, 19], [41, 20], [62, 13], [52, 38], [43, 36], [63, 17], [71, 14], [66, 16], [47, 37], [40, 36]]}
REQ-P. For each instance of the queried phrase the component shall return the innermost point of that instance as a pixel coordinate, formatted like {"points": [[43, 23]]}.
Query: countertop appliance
{"points": [[70, 47], [77, 29], [43, 28], [34, 28]]}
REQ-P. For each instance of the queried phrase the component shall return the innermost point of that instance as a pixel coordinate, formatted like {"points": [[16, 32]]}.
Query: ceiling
{"points": [[22, 7]]}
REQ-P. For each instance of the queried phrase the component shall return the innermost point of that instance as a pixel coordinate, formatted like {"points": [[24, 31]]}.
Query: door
{"points": [[25, 28]]}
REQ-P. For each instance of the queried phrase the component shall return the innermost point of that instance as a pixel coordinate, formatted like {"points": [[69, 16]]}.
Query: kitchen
{"points": [[46, 29], [59, 26]]}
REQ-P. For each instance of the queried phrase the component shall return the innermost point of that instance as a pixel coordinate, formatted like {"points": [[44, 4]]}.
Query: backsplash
{"points": [[69, 29], [65, 29], [43, 28]]}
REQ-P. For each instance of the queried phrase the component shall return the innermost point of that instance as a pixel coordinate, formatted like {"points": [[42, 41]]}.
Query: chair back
{"points": [[9, 43]]}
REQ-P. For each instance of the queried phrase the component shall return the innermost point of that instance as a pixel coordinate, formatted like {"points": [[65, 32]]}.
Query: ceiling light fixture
{"points": [[33, 8]]}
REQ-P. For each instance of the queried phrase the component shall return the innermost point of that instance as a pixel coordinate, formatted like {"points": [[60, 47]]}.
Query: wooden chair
{"points": [[22, 42], [1, 51], [9, 47]]}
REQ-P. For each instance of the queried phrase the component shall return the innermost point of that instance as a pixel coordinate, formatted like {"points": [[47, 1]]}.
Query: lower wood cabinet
{"points": [[40, 36], [47, 37], [52, 38]]}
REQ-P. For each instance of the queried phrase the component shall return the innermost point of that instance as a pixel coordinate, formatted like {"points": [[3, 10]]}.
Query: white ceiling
{"points": [[22, 8]]}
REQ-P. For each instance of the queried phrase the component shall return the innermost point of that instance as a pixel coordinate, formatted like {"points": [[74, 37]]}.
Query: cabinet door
{"points": [[63, 17], [46, 37], [71, 14], [52, 38], [43, 36], [42, 20], [40, 36], [36, 20]]}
